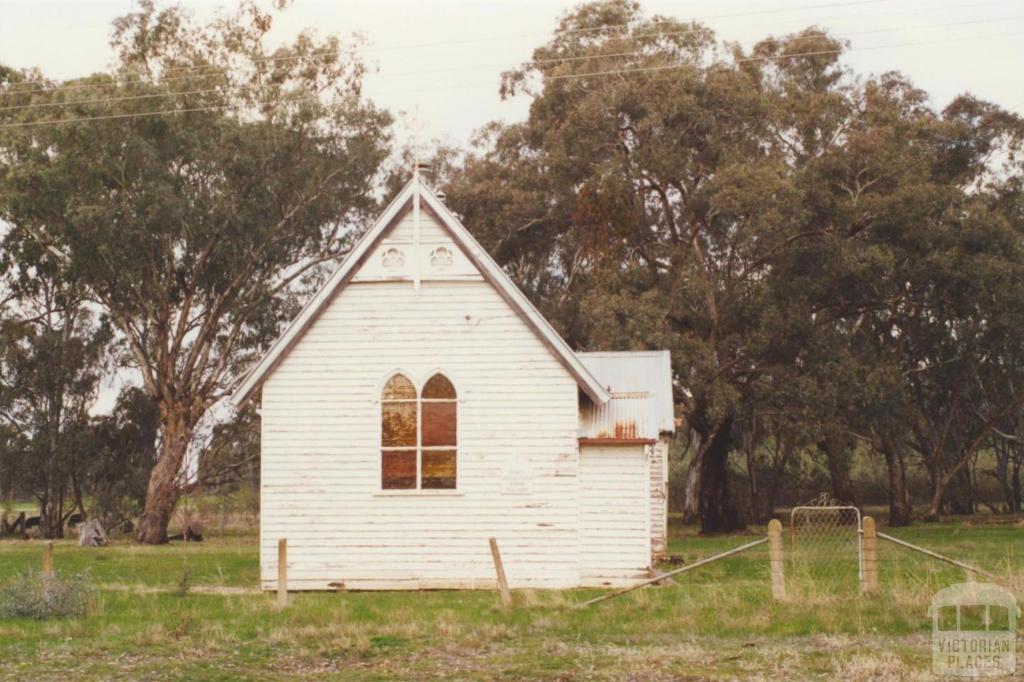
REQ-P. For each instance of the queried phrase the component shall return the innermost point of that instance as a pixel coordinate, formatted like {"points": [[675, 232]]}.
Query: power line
{"points": [[606, 27], [529, 63], [816, 53], [219, 70], [127, 98], [610, 72], [667, 67], [27, 124], [641, 53]]}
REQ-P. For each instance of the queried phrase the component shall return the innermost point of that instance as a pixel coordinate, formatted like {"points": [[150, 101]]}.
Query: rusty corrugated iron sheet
{"points": [[640, 385]]}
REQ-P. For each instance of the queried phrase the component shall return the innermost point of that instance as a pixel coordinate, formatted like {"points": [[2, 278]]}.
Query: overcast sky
{"points": [[442, 58], [437, 63]]}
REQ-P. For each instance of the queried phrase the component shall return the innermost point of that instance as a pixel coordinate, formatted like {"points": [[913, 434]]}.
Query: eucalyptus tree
{"points": [[917, 280], [650, 192], [191, 189], [54, 353], [122, 452], [797, 236]]}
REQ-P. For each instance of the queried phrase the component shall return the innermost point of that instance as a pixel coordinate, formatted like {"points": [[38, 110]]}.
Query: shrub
{"points": [[35, 595], [184, 583]]}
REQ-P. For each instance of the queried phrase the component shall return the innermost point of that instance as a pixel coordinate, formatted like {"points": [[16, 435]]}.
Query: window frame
{"points": [[418, 385]]}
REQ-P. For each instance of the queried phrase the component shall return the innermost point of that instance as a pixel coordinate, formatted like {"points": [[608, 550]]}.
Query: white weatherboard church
{"points": [[420, 405]]}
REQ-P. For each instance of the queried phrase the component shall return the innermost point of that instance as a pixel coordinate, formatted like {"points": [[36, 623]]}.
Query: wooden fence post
{"points": [[499, 567], [775, 560], [282, 572], [48, 559], [869, 548]]}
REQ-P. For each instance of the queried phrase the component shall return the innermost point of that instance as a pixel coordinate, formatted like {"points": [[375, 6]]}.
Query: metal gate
{"points": [[826, 544]]}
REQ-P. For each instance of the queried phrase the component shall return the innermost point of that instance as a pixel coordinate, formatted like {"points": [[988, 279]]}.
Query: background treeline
{"points": [[836, 266]]}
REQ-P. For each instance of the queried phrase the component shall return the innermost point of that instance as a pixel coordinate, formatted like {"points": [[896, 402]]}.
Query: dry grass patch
{"points": [[884, 667]]}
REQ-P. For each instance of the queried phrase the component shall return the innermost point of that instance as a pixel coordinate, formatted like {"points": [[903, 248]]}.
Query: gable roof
{"points": [[490, 270]]}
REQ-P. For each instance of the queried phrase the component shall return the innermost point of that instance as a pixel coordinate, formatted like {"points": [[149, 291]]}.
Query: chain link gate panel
{"points": [[825, 546]]}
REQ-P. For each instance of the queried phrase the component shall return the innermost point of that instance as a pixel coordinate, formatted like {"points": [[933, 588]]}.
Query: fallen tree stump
{"points": [[16, 527], [92, 534]]}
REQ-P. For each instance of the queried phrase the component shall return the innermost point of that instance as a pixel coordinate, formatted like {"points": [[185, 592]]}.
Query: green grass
{"points": [[232, 561], [718, 620], [15, 508]]}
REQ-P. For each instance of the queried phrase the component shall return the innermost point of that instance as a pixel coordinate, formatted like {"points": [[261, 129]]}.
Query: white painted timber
{"points": [[615, 522], [561, 520], [321, 446], [399, 256], [659, 495], [417, 195]]}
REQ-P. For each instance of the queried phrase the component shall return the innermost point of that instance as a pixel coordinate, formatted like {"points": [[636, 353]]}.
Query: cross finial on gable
{"points": [[415, 125], [420, 170]]}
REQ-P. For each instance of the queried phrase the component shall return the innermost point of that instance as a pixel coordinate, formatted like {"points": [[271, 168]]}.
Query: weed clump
{"points": [[33, 594], [184, 583]]}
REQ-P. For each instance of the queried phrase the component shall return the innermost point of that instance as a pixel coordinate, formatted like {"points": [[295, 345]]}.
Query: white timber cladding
{"points": [[517, 419], [398, 255], [421, 199], [659, 496], [419, 296], [615, 524]]}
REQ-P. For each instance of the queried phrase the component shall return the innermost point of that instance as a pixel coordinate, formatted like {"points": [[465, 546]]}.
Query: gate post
{"points": [[869, 580], [775, 559]]}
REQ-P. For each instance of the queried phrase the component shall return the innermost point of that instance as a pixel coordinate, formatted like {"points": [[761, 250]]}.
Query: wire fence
{"points": [[824, 558], [902, 570]]}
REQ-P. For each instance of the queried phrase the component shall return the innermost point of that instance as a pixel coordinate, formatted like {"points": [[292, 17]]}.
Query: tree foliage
{"points": [[191, 228], [836, 265], [808, 243]]}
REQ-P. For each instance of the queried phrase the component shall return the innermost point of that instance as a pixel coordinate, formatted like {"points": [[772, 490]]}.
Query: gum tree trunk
{"points": [[838, 455], [717, 514], [900, 512], [163, 490], [691, 501], [51, 501], [1015, 490], [960, 494]]}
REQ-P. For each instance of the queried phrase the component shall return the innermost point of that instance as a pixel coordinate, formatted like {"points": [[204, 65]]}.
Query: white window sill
{"points": [[419, 493]]}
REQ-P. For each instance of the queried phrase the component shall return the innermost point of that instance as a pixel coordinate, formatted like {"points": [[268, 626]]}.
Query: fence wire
{"points": [[822, 557], [902, 570]]}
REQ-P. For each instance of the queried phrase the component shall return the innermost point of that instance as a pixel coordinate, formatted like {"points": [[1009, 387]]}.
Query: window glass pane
{"points": [[439, 388], [438, 424], [398, 470], [398, 425], [399, 388], [438, 469]]}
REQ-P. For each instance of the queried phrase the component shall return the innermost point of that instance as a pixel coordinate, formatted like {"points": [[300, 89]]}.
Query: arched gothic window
{"points": [[399, 433], [439, 433], [418, 434]]}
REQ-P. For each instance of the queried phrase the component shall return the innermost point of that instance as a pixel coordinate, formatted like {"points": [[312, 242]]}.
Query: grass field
{"points": [[718, 620]]}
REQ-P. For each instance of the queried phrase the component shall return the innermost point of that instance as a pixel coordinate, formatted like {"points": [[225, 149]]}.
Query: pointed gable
{"points": [[418, 239], [407, 251]]}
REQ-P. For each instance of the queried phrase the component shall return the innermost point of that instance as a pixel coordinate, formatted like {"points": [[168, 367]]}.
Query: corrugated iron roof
{"points": [[640, 385]]}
